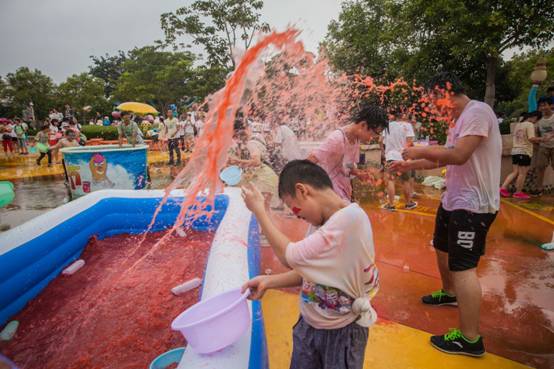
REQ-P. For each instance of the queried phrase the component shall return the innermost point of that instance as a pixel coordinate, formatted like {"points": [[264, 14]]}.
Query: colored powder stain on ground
{"points": [[106, 317], [516, 275]]}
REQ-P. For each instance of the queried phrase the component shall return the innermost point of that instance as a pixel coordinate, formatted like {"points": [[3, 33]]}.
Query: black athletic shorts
{"points": [[521, 160], [462, 234]]}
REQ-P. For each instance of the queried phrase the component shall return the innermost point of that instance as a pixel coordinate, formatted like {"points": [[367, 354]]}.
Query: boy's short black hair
{"points": [[302, 171], [446, 81], [372, 115], [545, 100], [534, 114]]}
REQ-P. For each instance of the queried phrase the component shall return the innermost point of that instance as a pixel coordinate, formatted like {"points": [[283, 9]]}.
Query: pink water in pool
{"points": [[109, 315]]}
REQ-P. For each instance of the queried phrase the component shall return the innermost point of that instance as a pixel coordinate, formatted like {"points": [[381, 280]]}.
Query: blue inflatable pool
{"points": [[33, 254]]}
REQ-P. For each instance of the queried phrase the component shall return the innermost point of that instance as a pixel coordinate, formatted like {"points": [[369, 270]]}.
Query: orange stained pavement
{"points": [[517, 277], [390, 345]]}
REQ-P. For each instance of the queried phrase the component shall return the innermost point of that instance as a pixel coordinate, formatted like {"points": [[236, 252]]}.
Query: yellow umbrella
{"points": [[137, 107]]}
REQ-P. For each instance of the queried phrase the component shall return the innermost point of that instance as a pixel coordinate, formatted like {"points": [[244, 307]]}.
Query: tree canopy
{"points": [[417, 38], [218, 26]]}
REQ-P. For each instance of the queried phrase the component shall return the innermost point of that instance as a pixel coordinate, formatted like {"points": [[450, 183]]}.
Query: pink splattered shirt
{"points": [[337, 265], [338, 156]]}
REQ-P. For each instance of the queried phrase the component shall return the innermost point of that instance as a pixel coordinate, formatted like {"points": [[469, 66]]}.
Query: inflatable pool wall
{"points": [[93, 168], [34, 253]]}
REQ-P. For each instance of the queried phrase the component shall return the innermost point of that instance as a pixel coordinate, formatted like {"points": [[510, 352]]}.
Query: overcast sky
{"points": [[58, 36]]}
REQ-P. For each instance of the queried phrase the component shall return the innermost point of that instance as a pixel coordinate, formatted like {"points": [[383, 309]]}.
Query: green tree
{"points": [[359, 40], [217, 25], [467, 32], [156, 77], [517, 72], [82, 90], [108, 69], [26, 86]]}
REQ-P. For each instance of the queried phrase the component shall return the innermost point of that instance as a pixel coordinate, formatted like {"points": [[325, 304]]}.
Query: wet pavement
{"points": [[517, 276]]}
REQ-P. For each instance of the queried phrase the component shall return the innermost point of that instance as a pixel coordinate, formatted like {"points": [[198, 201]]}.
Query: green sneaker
{"points": [[454, 342], [439, 298]]}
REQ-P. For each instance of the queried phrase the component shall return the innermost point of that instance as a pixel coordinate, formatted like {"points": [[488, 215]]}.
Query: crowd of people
{"points": [[50, 138]]}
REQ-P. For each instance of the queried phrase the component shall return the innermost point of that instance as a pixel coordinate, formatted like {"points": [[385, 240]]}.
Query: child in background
{"points": [[20, 130], [9, 138], [43, 137], [340, 152], [398, 136], [335, 266], [522, 151], [54, 135]]}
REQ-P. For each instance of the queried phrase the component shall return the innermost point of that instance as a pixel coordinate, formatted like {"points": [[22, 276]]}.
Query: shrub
{"points": [[105, 133]]}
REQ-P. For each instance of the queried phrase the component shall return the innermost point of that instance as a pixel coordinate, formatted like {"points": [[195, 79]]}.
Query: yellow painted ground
{"points": [[26, 167], [390, 346]]}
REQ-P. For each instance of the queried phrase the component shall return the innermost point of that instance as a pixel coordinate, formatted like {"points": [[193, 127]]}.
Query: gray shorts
{"points": [[342, 348]]}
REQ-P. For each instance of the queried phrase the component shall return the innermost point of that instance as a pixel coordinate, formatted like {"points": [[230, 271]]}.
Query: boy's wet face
{"points": [[366, 134], [304, 206]]}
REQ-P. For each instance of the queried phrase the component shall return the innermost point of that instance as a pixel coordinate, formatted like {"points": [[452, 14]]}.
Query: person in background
{"points": [[198, 121], [172, 138], [340, 151], [55, 133], [129, 130], [190, 132], [43, 137], [288, 142], [545, 153], [250, 154], [399, 135], [68, 111], [106, 121], [70, 140], [162, 135], [522, 151], [20, 129], [181, 131], [9, 139]]}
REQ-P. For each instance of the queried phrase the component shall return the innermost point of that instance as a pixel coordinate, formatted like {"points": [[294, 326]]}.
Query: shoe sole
{"points": [[457, 352]]}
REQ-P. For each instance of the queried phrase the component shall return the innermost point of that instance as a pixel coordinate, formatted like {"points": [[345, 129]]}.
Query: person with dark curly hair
{"points": [[340, 151]]}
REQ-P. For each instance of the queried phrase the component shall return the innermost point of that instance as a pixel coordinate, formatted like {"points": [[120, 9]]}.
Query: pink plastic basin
{"points": [[215, 323]]}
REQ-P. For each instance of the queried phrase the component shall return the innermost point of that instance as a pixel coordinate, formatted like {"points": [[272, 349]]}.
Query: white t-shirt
{"points": [[395, 139], [172, 128], [181, 128], [289, 144], [337, 265], [473, 186], [546, 129], [11, 131], [188, 128], [199, 124]]}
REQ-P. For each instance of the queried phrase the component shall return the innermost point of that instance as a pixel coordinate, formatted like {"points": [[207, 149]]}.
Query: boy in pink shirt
{"points": [[340, 152], [335, 266]]}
